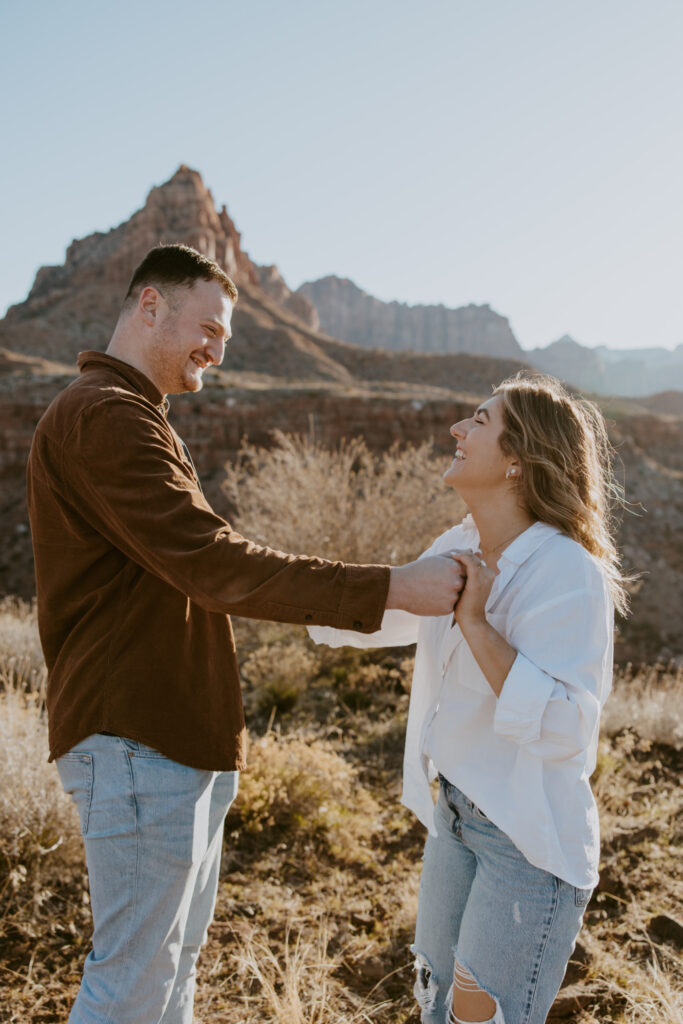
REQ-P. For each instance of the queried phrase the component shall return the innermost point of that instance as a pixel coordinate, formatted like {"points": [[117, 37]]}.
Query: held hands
{"points": [[430, 586], [478, 582]]}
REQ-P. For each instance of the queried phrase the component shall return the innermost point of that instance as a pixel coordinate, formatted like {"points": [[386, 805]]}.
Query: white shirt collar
{"points": [[527, 543], [514, 555], [521, 548]]}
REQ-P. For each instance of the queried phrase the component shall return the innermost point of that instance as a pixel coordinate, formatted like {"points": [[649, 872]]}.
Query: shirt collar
{"points": [[91, 360], [527, 543], [521, 548], [516, 554]]}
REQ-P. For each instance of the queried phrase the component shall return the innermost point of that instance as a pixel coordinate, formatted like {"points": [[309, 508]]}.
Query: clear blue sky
{"points": [[525, 153]]}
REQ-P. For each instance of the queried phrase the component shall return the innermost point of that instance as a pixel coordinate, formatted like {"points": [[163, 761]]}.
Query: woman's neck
{"points": [[499, 525]]}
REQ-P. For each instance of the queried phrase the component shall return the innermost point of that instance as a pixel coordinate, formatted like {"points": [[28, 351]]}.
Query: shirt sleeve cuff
{"points": [[398, 629], [364, 598], [522, 701]]}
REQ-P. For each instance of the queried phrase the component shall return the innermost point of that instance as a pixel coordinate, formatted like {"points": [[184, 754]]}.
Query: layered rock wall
{"points": [[347, 312]]}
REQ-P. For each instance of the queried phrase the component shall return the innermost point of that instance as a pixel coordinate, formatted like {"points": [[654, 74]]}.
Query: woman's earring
{"points": [[511, 472]]}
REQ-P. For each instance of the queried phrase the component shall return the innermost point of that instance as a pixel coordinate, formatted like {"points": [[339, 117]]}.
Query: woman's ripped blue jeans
{"points": [[504, 926]]}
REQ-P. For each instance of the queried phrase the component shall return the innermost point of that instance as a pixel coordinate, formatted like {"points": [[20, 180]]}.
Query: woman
{"points": [[505, 706]]}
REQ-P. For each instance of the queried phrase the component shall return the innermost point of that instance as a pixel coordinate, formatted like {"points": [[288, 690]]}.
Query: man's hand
{"points": [[430, 586]]}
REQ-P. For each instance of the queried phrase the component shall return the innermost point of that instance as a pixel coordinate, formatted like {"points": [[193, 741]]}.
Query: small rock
{"points": [[663, 928], [362, 920], [570, 1001], [577, 967], [373, 968]]}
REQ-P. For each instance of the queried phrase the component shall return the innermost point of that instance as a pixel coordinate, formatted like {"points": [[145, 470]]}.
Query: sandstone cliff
{"points": [[347, 312]]}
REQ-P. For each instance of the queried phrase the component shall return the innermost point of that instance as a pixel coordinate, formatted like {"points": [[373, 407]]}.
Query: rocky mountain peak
{"points": [[565, 344], [74, 305]]}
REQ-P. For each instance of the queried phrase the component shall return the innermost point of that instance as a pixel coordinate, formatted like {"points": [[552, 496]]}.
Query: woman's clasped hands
{"points": [[471, 604]]}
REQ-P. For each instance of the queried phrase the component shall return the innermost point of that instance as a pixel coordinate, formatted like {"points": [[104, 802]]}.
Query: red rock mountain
{"points": [[74, 306]]}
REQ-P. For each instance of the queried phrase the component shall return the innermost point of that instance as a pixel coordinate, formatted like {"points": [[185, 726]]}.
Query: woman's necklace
{"points": [[504, 543]]}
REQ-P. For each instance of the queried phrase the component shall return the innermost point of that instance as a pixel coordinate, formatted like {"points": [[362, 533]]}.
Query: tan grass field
{"points": [[321, 864]]}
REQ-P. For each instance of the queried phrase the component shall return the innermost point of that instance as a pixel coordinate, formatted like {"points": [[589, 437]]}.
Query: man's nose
{"points": [[215, 351]]}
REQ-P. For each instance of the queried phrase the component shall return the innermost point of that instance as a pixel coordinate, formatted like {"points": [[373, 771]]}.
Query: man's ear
{"points": [[148, 305]]}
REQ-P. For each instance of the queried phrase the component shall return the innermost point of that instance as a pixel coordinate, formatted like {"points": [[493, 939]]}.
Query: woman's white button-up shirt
{"points": [[524, 757]]}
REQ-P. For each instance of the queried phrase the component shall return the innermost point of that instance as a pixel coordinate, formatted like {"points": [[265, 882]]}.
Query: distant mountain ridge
{"points": [[605, 371], [346, 311]]}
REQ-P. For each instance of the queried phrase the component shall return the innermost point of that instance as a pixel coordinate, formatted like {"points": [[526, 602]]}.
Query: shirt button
{"points": [[358, 624]]}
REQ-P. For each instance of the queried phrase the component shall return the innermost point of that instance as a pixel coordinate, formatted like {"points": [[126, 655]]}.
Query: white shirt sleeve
{"points": [[399, 628], [551, 699]]}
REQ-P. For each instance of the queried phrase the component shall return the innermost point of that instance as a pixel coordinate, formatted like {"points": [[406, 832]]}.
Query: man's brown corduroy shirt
{"points": [[136, 576]]}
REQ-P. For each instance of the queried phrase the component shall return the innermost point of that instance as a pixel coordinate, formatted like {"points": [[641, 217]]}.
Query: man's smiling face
{"points": [[191, 328]]}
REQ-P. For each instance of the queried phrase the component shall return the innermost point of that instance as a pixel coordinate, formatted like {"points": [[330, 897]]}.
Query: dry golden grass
{"points": [[321, 867], [648, 700], [298, 984], [21, 659], [44, 912]]}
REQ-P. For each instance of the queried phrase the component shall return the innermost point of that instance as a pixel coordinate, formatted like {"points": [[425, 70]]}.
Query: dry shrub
{"points": [[36, 817], [364, 679], [302, 792], [648, 700], [346, 503], [45, 916], [279, 672], [21, 658]]}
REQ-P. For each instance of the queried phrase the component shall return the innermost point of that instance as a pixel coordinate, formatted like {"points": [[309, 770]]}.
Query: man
{"points": [[136, 576]]}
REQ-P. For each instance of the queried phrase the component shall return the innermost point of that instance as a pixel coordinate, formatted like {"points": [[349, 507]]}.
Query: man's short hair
{"points": [[176, 265]]}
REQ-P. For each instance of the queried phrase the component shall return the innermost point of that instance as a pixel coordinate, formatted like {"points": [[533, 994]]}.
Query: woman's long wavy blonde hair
{"points": [[566, 462]]}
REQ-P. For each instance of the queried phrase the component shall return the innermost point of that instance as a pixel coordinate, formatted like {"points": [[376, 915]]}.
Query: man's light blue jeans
{"points": [[153, 832]]}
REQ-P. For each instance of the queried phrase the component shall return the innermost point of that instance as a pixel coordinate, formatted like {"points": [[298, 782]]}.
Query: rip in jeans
{"points": [[427, 988], [426, 985]]}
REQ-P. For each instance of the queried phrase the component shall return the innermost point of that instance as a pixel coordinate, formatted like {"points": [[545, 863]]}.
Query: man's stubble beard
{"points": [[166, 353]]}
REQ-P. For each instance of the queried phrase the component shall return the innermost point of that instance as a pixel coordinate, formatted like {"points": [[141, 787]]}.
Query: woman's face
{"points": [[479, 462]]}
